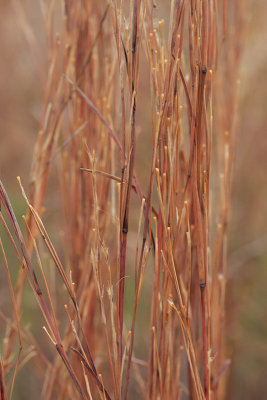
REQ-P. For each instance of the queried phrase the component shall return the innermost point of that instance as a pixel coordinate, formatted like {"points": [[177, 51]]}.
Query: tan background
{"points": [[21, 80]]}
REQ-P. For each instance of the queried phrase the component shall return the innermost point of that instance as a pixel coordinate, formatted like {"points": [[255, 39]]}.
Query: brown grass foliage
{"points": [[126, 82]]}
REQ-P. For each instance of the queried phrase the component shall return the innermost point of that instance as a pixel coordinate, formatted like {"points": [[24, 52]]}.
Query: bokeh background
{"points": [[22, 78]]}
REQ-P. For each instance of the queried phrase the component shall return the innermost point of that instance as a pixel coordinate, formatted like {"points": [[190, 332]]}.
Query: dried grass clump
{"points": [[93, 110]]}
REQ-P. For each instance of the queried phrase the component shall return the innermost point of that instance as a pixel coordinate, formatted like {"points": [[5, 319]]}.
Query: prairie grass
{"points": [[162, 227]]}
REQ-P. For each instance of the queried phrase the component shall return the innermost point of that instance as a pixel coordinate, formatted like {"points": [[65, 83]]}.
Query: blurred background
{"points": [[22, 77]]}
